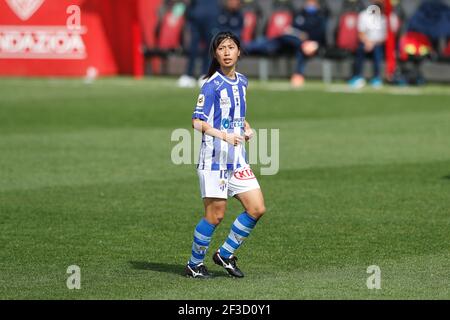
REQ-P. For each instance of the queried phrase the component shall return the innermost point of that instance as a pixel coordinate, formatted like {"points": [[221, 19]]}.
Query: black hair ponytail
{"points": [[216, 41], [213, 67]]}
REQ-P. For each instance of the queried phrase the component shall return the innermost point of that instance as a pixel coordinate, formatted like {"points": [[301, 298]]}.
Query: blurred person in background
{"points": [[427, 35], [304, 37], [432, 18], [372, 33], [231, 18], [202, 17], [309, 25]]}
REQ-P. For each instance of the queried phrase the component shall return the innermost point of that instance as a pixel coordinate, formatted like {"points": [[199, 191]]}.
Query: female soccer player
{"points": [[223, 169]]}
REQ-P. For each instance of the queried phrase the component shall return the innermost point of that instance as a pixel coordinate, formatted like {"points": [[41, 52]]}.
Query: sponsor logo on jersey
{"points": [[225, 102], [229, 123], [244, 174], [225, 123]]}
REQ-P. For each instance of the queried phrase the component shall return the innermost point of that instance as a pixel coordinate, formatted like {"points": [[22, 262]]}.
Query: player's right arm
{"points": [[200, 117]]}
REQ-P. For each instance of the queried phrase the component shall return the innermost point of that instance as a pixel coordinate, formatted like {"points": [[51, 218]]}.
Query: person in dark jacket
{"points": [[231, 18], [432, 18], [202, 17], [430, 28], [310, 26], [304, 37]]}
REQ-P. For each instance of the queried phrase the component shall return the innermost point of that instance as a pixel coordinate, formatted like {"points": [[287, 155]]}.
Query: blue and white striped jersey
{"points": [[222, 105]]}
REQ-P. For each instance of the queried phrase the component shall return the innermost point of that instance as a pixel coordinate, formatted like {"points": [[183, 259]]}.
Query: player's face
{"points": [[227, 53]]}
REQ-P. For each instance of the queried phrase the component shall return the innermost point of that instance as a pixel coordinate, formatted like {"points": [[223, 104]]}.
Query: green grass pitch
{"points": [[86, 179]]}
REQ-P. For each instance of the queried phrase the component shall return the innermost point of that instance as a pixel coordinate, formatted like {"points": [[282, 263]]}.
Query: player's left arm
{"points": [[248, 131]]}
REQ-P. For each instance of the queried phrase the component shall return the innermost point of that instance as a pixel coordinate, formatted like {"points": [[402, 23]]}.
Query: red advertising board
{"points": [[70, 37]]}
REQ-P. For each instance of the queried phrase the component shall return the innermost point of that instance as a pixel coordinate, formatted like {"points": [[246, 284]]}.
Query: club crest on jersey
{"points": [[244, 174], [201, 100]]}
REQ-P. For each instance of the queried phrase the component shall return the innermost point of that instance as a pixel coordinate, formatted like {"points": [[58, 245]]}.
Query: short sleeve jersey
{"points": [[222, 104]]}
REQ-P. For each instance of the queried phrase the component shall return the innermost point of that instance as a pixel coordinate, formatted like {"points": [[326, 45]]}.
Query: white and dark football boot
{"points": [[229, 264], [198, 272]]}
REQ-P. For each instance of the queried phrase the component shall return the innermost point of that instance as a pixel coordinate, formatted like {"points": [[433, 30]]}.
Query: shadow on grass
{"points": [[446, 177], [165, 267], [158, 267]]}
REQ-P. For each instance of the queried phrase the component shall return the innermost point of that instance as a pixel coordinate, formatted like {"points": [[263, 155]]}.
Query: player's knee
{"points": [[257, 211], [218, 217], [261, 210]]}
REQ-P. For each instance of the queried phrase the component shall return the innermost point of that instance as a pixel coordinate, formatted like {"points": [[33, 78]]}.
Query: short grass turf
{"points": [[86, 179]]}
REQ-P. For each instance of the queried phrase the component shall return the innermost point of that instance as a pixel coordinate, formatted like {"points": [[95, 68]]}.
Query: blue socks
{"points": [[240, 230], [204, 230], [202, 237]]}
